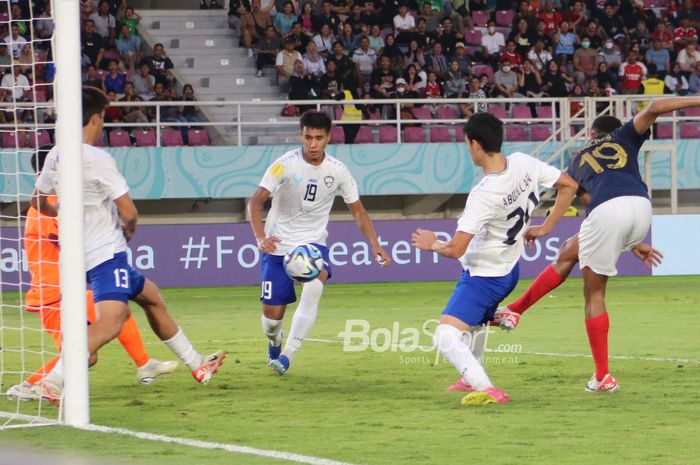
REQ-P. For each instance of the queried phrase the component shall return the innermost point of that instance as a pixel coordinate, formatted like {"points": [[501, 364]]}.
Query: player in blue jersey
{"points": [[618, 215], [488, 242]]}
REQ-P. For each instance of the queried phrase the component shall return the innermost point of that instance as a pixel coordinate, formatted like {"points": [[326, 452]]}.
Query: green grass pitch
{"points": [[391, 407]]}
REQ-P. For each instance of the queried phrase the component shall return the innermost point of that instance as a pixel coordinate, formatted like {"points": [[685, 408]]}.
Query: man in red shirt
{"points": [[663, 35], [511, 54], [551, 17], [684, 34], [632, 73]]}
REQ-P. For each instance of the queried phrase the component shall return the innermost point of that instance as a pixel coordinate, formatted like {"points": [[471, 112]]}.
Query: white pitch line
{"points": [[233, 448], [538, 354]]}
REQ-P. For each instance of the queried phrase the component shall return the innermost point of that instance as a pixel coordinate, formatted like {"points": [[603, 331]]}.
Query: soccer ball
{"points": [[303, 263]]}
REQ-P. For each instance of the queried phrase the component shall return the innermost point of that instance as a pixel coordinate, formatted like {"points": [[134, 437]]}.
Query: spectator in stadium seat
{"points": [[236, 10], [641, 35], [93, 45], [521, 35], [460, 15], [364, 57], [433, 89], [437, 61], [688, 57], [595, 34], [530, 83], [301, 40], [114, 80], [26, 61], [187, 113], [324, 41], [565, 41], [113, 114], [15, 41], [168, 113], [676, 82], [462, 58], [541, 34], [414, 55], [422, 36], [346, 70], [455, 84], [576, 16], [87, 7], [404, 25], [329, 17], [524, 12], [593, 89], [131, 19], [253, 26], [302, 86], [313, 62], [93, 79], [285, 63], [18, 17], [576, 100], [540, 56], [691, 12], [376, 41], [585, 61], [661, 32], [15, 86], [415, 80], [44, 25], [606, 75], [105, 23], [506, 81], [551, 18], [159, 64], [612, 23], [341, 7], [144, 82], [659, 57], [5, 59], [306, 19], [393, 52], [554, 81], [330, 84], [357, 20], [448, 37], [510, 53], [129, 47], [632, 73], [694, 81], [684, 35], [267, 49], [477, 93], [285, 20], [348, 38], [610, 54], [132, 114], [383, 80]]}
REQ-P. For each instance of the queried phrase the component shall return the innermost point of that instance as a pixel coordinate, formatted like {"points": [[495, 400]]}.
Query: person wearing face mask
{"points": [[585, 61], [610, 54], [506, 81], [492, 44]]}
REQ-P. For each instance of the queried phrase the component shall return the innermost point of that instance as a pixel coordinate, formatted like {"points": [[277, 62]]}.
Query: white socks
{"points": [[304, 317], [449, 343], [272, 330], [476, 341], [55, 376], [182, 347]]}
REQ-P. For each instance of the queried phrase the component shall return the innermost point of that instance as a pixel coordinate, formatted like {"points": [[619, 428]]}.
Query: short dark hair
{"points": [[651, 69], [487, 130], [605, 124], [94, 103], [39, 157], [313, 119]]}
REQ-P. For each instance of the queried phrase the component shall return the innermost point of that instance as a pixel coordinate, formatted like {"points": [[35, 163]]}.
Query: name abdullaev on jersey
{"points": [[520, 188]]}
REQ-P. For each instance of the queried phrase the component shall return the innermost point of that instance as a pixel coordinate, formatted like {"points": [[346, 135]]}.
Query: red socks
{"points": [[597, 329], [547, 281]]}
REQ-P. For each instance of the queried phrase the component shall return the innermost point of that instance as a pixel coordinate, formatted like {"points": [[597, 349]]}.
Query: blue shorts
{"points": [[115, 280], [476, 298], [277, 288]]}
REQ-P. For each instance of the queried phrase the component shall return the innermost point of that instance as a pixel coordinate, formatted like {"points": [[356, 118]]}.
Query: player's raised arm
{"points": [[646, 118], [255, 204], [566, 191], [454, 248], [364, 222]]}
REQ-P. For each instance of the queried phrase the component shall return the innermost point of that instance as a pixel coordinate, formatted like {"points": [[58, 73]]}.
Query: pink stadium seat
{"points": [[387, 135], [33, 139], [544, 111], [459, 133], [499, 111], [375, 115], [422, 113], [4, 17], [478, 70], [516, 133], [540, 132], [440, 134], [472, 37], [40, 96], [337, 135], [413, 135], [102, 141], [447, 113], [690, 130], [480, 18], [693, 111], [521, 112], [505, 17], [119, 138], [664, 131], [9, 139], [364, 135], [171, 138], [146, 138], [470, 50], [199, 137]]}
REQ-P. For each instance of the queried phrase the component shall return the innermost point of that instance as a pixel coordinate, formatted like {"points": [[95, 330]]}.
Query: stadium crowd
{"points": [[478, 48]]}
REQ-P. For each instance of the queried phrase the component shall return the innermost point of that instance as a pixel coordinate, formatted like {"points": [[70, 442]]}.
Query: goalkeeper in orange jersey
{"points": [[44, 298]]}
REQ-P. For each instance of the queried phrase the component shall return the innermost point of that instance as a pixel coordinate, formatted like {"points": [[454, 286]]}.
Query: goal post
{"points": [[69, 138]]}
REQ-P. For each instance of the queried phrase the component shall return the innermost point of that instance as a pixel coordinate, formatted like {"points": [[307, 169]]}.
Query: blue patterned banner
{"points": [[380, 169]]}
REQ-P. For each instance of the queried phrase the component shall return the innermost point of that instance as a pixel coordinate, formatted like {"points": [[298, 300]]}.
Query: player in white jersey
{"points": [[110, 221], [488, 242], [303, 184]]}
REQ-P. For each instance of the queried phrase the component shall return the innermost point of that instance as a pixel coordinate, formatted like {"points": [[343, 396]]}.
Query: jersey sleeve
{"points": [[477, 213], [110, 179], [348, 187], [274, 176], [547, 175], [45, 183]]}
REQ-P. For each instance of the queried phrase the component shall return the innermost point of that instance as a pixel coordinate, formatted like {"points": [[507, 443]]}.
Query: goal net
{"points": [[28, 242]]}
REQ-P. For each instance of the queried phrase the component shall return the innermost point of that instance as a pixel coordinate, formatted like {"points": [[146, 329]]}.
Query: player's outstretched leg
{"points": [[148, 369], [302, 322], [552, 276], [448, 339], [163, 325], [475, 339], [597, 326]]}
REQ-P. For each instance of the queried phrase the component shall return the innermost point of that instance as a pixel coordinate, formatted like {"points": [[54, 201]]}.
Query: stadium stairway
{"points": [[206, 54]]}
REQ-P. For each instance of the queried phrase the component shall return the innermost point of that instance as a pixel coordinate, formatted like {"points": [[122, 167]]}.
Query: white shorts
{"points": [[613, 227]]}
